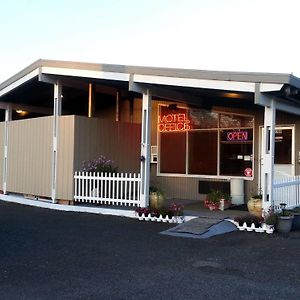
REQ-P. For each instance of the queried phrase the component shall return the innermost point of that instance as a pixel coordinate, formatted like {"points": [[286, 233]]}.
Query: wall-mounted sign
{"points": [[173, 123], [248, 172], [237, 135]]}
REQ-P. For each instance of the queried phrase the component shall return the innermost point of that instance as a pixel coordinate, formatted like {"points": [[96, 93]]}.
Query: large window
{"points": [[235, 151], [173, 152], [202, 142]]}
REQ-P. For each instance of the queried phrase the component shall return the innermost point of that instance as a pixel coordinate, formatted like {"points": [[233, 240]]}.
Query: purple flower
{"points": [[100, 164]]}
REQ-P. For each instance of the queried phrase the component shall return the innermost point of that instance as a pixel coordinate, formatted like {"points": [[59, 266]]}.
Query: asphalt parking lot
{"points": [[48, 254]]}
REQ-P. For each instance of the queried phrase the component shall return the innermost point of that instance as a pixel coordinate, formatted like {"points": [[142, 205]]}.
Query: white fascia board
{"points": [[270, 87], [86, 73], [197, 83], [19, 82]]}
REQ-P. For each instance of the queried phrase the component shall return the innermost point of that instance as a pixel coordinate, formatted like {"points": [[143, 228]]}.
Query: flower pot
{"points": [[156, 200], [255, 206], [213, 207], [284, 224], [296, 221]]}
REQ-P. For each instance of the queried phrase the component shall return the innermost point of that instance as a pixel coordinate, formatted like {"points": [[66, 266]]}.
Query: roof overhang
{"points": [[158, 79]]}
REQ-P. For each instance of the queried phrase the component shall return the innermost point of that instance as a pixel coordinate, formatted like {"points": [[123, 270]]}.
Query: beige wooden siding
{"points": [[1, 153], [65, 158], [115, 140], [29, 156]]}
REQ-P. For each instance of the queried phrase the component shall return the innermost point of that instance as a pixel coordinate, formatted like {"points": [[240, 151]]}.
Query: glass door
{"points": [[284, 157]]}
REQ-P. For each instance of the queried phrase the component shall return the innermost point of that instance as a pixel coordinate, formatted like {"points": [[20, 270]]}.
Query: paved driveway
{"points": [[58, 255]]}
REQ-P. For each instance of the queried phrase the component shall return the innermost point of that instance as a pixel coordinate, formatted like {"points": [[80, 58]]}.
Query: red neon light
{"points": [[237, 136], [173, 123]]}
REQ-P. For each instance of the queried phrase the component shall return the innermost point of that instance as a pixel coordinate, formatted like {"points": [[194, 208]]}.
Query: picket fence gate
{"points": [[107, 188], [287, 190]]}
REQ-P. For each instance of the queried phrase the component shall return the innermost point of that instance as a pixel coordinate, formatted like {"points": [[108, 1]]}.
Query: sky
{"points": [[229, 35]]}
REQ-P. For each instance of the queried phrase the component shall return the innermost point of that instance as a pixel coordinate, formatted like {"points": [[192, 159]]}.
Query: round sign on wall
{"points": [[248, 172]]}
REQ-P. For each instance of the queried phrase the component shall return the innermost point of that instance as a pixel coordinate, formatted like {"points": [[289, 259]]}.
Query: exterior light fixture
{"points": [[21, 112]]}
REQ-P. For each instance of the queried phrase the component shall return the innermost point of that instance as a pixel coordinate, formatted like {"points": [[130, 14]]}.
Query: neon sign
{"points": [[237, 136], [173, 123]]}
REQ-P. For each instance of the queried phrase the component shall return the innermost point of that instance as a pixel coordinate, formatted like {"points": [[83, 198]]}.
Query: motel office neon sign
{"points": [[174, 123]]}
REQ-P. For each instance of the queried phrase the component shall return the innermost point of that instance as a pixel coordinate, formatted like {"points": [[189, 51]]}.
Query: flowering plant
{"points": [[172, 210], [142, 210], [249, 219], [100, 164], [214, 198], [176, 209]]}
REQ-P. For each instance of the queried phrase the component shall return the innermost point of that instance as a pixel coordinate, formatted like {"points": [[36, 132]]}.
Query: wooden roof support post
{"points": [[56, 114], [268, 146], [8, 117], [92, 90], [145, 148]]}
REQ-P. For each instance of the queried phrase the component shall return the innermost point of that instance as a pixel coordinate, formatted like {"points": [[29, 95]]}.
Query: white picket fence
{"points": [[287, 190], [108, 188]]}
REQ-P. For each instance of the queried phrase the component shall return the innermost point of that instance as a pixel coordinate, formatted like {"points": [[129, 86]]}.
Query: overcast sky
{"points": [[234, 35]]}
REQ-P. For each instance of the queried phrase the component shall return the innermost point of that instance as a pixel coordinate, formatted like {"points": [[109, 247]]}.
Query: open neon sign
{"points": [[173, 123], [237, 136]]}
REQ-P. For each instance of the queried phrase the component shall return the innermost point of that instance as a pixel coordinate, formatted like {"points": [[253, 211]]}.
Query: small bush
{"points": [[271, 218]]}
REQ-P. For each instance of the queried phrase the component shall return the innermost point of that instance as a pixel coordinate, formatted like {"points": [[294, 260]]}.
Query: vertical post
{"points": [[91, 109], [8, 117], [145, 148], [268, 155], [56, 114], [117, 106]]}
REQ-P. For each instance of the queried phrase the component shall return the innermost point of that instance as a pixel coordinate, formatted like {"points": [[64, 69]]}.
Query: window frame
{"points": [[218, 129]]}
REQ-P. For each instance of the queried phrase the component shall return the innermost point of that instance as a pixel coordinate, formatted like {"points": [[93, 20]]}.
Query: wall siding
{"points": [[29, 156], [65, 158], [115, 140]]}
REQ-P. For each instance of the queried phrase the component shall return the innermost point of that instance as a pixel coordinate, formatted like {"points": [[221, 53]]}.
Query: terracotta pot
{"points": [[255, 207]]}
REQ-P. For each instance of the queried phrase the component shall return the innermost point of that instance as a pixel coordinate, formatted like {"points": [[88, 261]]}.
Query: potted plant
{"points": [[271, 218], [296, 221], [255, 205], [156, 197], [284, 219], [216, 200]]}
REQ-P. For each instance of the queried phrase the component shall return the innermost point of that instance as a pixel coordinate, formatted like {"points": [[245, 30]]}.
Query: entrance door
{"points": [[284, 165]]}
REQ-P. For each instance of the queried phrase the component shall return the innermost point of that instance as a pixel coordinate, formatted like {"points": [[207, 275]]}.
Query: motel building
{"points": [[183, 131]]}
